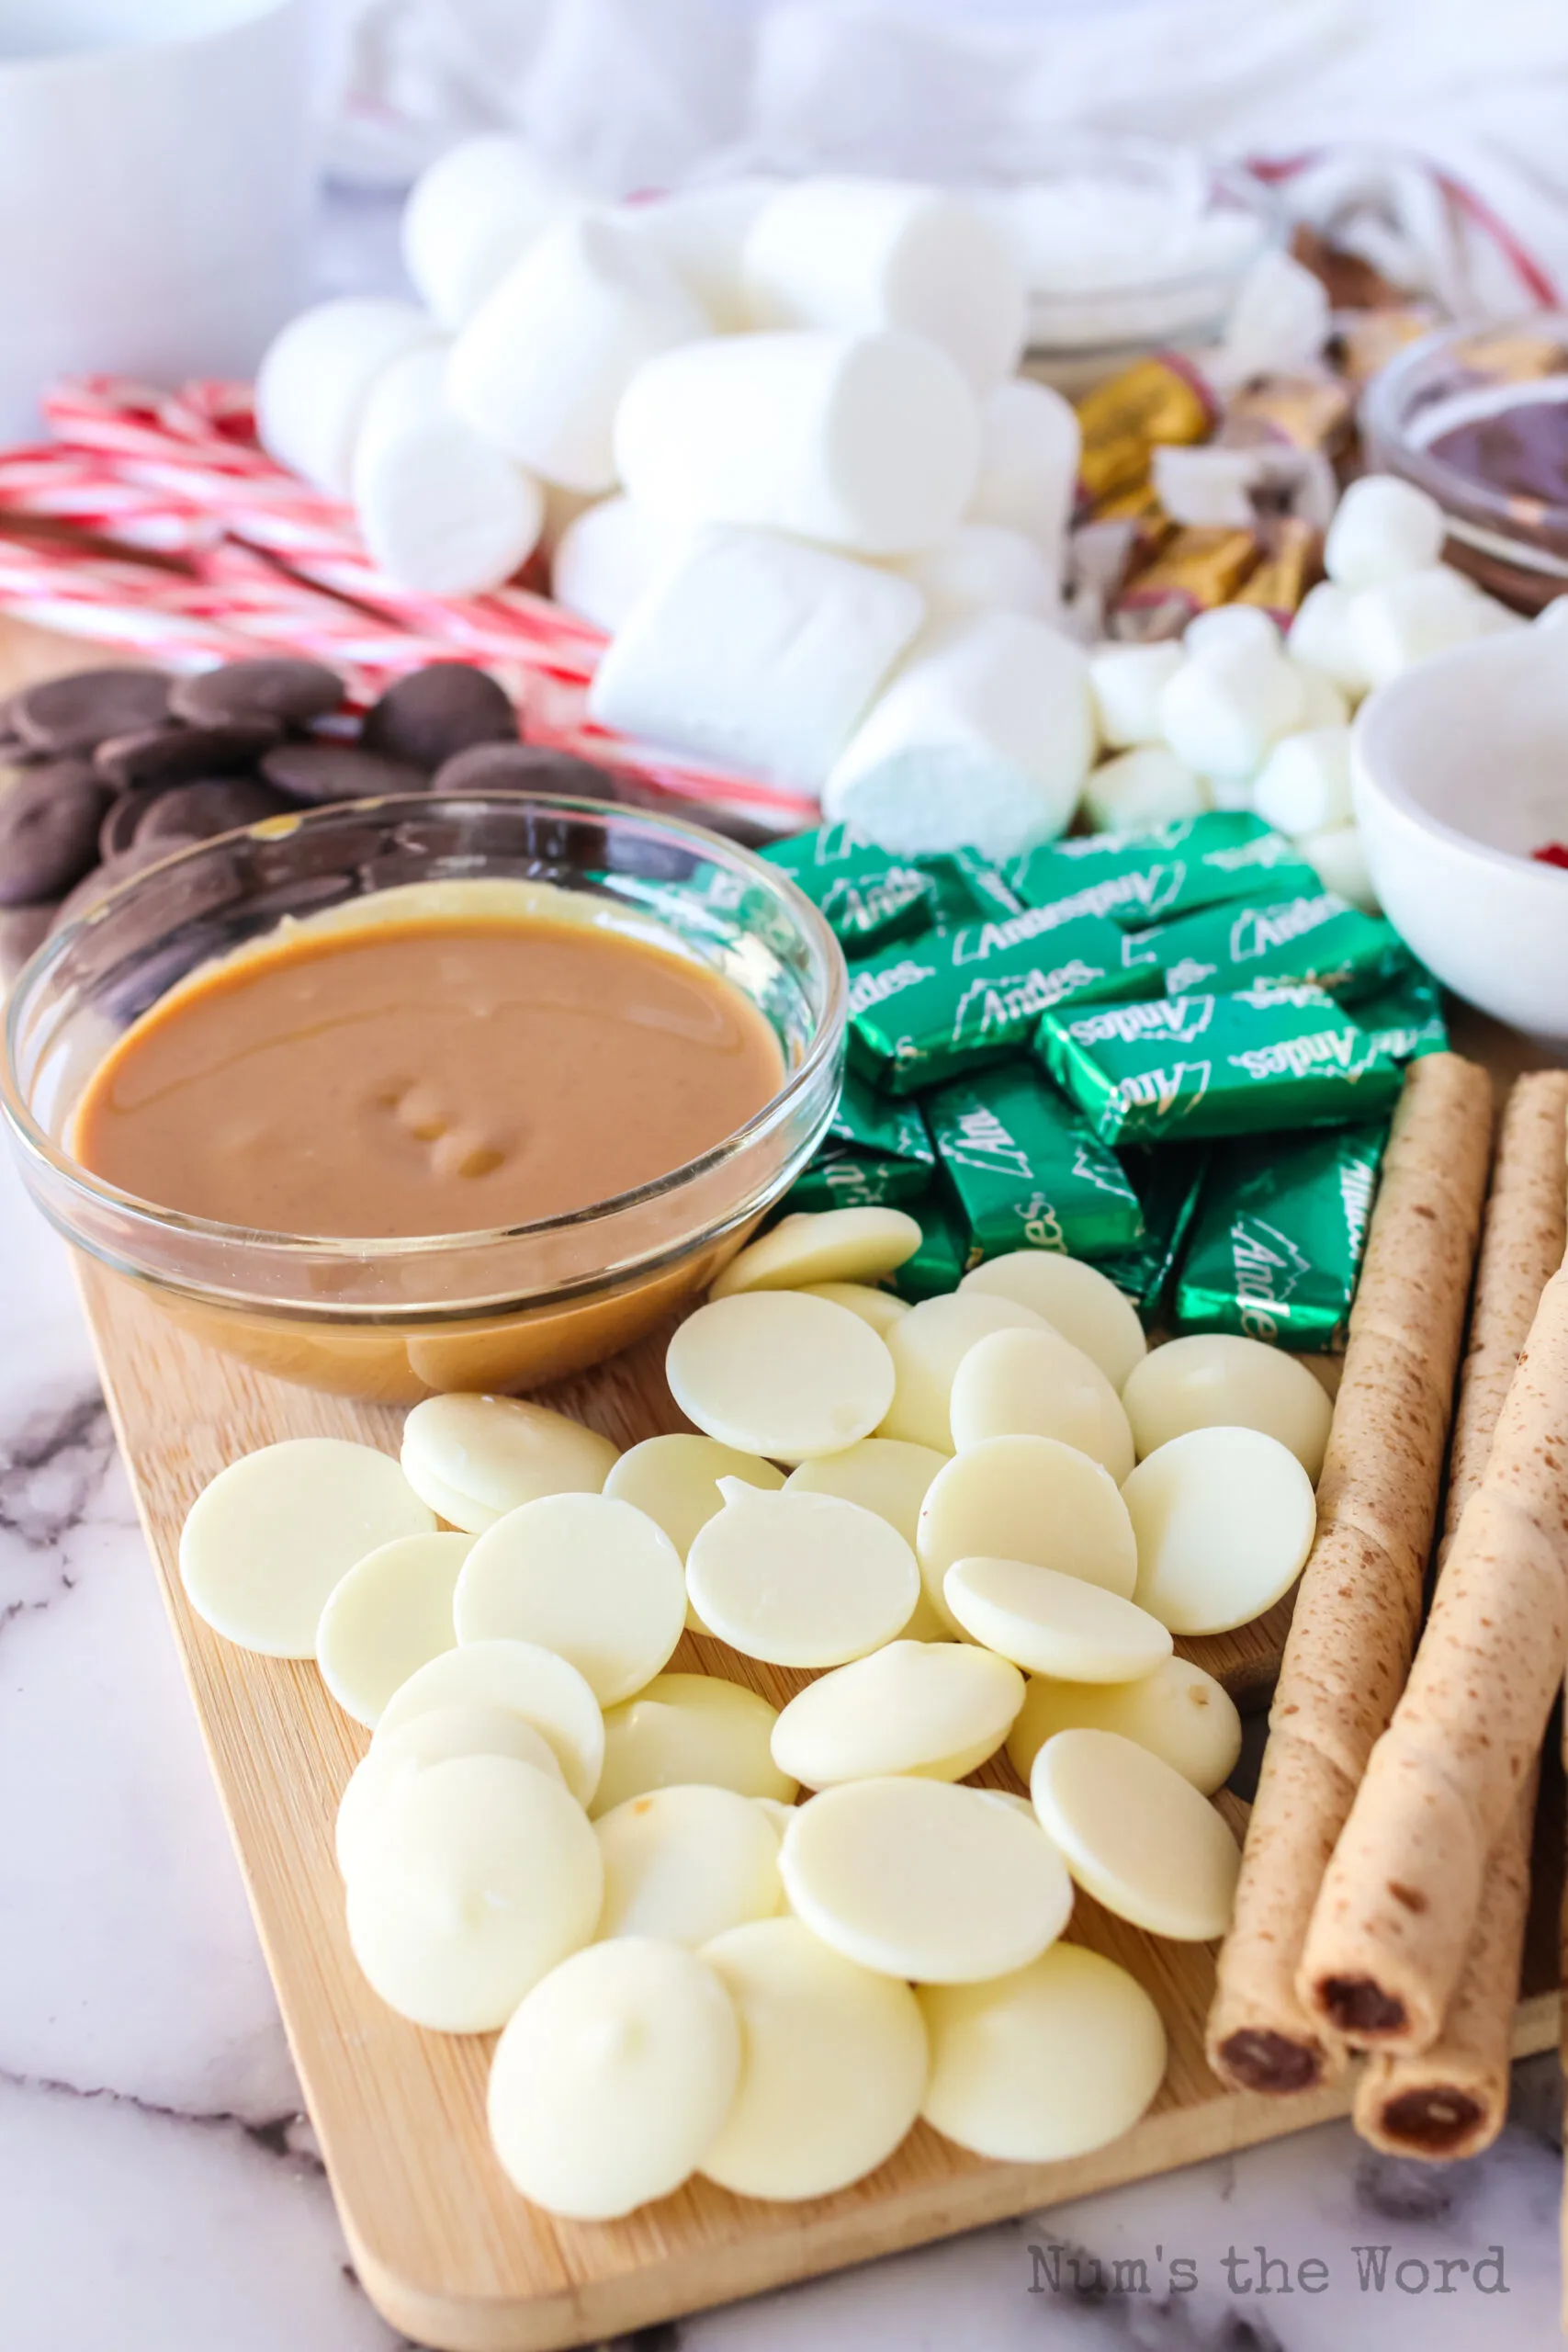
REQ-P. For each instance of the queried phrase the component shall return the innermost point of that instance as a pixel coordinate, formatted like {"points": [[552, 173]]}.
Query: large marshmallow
{"points": [[1404, 621], [1324, 638], [1148, 786], [540, 368], [1030, 448], [702, 233], [1303, 786], [608, 558], [868, 443], [1128, 681], [983, 568], [1381, 528], [757, 652], [1221, 713], [985, 737], [439, 509], [470, 215], [317, 375], [856, 254]]}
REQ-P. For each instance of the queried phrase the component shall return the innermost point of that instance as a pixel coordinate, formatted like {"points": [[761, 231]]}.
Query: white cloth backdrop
{"points": [[639, 94]]}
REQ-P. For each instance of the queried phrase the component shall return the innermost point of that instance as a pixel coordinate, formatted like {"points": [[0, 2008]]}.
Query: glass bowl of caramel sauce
{"points": [[431, 1092]]}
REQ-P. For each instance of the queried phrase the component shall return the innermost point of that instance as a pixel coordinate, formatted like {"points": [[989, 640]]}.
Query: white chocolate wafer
{"points": [[389, 1616], [1028, 1498], [922, 1880], [830, 1246], [1177, 1713], [675, 1481], [926, 1349], [1049, 2061], [886, 1474], [1078, 1301], [486, 1454], [779, 1374], [1224, 1520], [427, 1739], [800, 1579], [832, 2065], [1053, 1624], [938, 1709], [482, 1873], [1214, 1380], [1136, 1835], [690, 1727], [545, 1690], [597, 1581], [265, 1542], [610, 2082], [880, 1308], [1035, 1384], [685, 1863]]}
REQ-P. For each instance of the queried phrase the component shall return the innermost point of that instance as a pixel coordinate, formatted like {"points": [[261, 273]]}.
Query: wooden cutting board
{"points": [[443, 2245], [446, 2248]]}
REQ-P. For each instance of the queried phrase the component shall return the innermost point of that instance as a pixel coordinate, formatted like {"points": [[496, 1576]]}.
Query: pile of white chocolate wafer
{"points": [[1384, 1887]]}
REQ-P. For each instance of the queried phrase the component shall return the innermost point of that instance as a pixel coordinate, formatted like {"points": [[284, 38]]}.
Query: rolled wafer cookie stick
{"points": [[1452, 2099], [1360, 1591], [1402, 1897]]}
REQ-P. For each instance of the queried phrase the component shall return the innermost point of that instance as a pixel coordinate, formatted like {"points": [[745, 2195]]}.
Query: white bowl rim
{"points": [[1385, 706]]}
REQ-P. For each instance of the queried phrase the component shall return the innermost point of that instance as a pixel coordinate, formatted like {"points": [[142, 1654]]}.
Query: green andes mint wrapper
{"points": [[1267, 1056], [1276, 1244], [938, 1265], [865, 895], [1316, 936], [879, 1126], [1404, 1020], [964, 888], [951, 1001], [1026, 1171], [1172, 869], [1168, 1183], [853, 1182]]}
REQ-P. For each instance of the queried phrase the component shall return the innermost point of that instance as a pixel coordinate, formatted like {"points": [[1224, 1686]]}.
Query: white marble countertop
{"points": [[159, 2190]]}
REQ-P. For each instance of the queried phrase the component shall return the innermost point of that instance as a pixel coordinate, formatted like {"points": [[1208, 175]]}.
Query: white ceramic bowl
{"points": [[1460, 771]]}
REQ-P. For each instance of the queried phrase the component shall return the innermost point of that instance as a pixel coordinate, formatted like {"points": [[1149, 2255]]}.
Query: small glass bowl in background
{"points": [[400, 1319], [1130, 245], [1516, 547]]}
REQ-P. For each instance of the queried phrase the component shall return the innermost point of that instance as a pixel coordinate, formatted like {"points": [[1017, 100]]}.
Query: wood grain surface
{"points": [[446, 2248]]}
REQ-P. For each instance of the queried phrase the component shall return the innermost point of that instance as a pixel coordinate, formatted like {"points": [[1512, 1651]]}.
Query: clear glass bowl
{"points": [[1186, 234], [1514, 547], [400, 1319]]}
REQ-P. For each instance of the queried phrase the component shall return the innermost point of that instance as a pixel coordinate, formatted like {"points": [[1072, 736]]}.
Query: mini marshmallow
{"points": [[757, 652], [1323, 637], [1382, 528], [540, 368], [868, 442], [1338, 860], [1226, 792], [985, 737], [1402, 622], [984, 568], [1207, 487], [860, 253], [1222, 714], [1139, 788], [439, 509], [1229, 629], [608, 557], [1029, 446], [1278, 324], [1305, 784], [1326, 703], [702, 233], [1127, 682], [470, 215], [316, 376]]}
